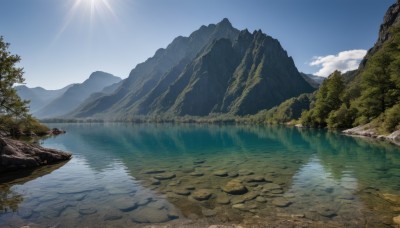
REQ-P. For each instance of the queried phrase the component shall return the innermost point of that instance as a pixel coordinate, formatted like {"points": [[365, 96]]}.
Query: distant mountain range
{"points": [[313, 80], [38, 96], [55, 103], [217, 69]]}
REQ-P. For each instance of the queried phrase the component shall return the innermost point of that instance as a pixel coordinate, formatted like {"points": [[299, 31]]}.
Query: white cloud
{"points": [[344, 61]]}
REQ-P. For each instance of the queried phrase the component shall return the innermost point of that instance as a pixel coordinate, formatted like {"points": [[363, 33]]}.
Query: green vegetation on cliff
{"points": [[287, 111], [369, 95]]}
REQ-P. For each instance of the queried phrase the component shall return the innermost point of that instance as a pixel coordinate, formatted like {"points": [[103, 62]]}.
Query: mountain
{"points": [[76, 94], [287, 111], [313, 80], [217, 69], [369, 95], [38, 96]]}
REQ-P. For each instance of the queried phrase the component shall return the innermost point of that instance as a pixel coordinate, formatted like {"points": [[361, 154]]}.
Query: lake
{"points": [[133, 175]]}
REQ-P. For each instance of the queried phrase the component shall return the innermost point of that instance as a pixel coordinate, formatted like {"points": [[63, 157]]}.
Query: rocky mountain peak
{"points": [[225, 22], [392, 16]]}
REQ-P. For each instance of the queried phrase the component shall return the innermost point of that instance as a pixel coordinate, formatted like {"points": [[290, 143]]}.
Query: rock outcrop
{"points": [[368, 130], [17, 155], [391, 18]]}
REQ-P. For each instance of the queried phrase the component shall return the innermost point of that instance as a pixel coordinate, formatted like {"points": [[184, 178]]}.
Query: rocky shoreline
{"points": [[369, 131], [16, 155]]}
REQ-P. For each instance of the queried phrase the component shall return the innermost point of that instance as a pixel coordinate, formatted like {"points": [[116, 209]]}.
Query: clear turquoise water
{"points": [[323, 178]]}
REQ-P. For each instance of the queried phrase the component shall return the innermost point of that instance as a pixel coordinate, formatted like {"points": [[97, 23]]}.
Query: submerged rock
{"points": [[154, 171], [245, 172], [396, 220], [196, 174], [16, 155], [164, 176], [255, 179], [150, 215], [223, 199], [233, 174], [281, 202], [270, 187], [234, 187], [261, 199], [112, 217], [220, 173], [182, 192], [394, 199], [201, 194], [87, 211]]}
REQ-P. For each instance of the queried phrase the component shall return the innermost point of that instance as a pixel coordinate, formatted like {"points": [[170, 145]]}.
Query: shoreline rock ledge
{"points": [[16, 155]]}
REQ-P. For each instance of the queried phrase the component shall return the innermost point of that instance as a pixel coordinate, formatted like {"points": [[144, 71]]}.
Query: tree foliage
{"points": [[371, 96], [14, 112], [328, 99], [10, 103]]}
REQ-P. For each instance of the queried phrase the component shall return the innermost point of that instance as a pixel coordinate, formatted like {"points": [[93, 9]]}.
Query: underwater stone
{"points": [[220, 173], [190, 187], [250, 196], [245, 172], [198, 162], [196, 174], [223, 199], [281, 202], [154, 171], [255, 179], [150, 215], [234, 187], [396, 220], [87, 211], [182, 192], [111, 217], [233, 174], [201, 194], [164, 176], [261, 199], [271, 186]]}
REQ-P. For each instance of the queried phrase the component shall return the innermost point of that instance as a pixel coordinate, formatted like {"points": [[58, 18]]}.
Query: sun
{"points": [[92, 10]]}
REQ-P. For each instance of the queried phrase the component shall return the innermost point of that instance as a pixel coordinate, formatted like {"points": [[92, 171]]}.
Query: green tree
{"points": [[378, 90], [14, 112], [10, 103], [328, 99]]}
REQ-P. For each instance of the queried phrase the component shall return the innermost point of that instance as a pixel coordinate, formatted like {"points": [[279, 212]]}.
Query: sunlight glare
{"points": [[90, 9]]}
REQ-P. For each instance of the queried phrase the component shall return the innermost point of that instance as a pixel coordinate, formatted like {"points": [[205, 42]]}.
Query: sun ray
{"points": [[70, 15]]}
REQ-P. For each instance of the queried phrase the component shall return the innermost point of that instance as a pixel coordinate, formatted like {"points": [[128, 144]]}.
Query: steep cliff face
{"points": [[216, 70], [265, 77], [391, 18], [145, 76]]}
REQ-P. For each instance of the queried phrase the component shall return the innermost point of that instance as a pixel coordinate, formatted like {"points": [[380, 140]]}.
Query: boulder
{"points": [[396, 220], [234, 187], [17, 155], [164, 176], [221, 173], [201, 194]]}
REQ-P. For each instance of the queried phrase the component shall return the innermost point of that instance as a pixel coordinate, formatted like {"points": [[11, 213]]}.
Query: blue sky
{"points": [[63, 41]]}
